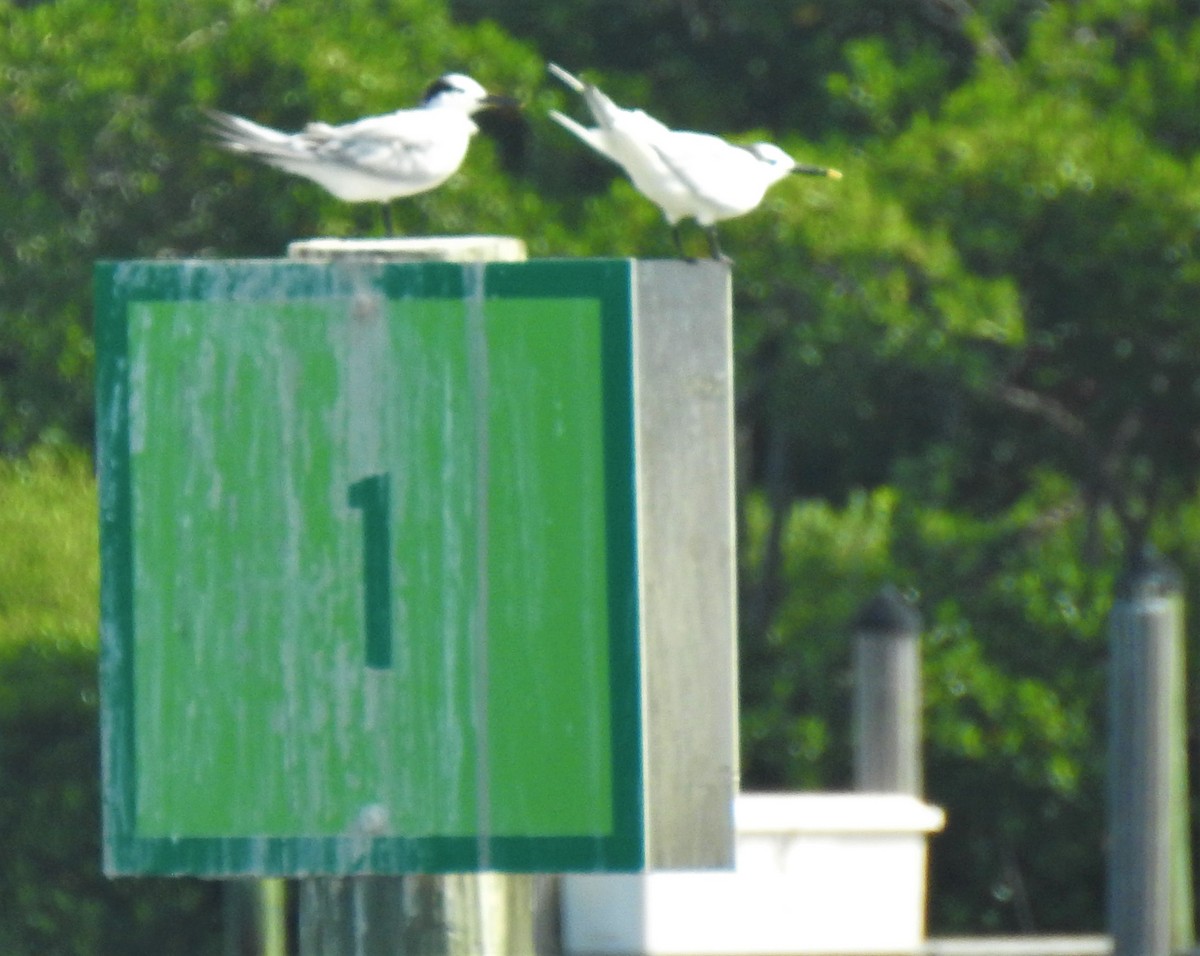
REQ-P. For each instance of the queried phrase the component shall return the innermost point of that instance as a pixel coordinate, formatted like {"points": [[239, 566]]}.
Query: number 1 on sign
{"points": [[370, 495]]}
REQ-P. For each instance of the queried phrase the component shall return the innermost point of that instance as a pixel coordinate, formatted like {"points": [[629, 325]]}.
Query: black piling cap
{"points": [[888, 614], [1148, 575]]}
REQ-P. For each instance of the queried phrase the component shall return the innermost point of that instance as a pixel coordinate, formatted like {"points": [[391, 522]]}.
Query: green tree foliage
{"points": [[54, 901], [1094, 225], [1028, 445], [971, 367], [725, 66]]}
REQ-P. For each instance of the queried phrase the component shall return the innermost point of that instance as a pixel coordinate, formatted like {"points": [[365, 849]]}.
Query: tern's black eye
{"points": [[438, 86]]}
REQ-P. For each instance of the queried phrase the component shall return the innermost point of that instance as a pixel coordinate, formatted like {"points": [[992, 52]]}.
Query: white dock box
{"points": [[815, 873]]}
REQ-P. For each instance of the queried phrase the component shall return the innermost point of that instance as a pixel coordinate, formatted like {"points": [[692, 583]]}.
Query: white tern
{"points": [[687, 175], [379, 158]]}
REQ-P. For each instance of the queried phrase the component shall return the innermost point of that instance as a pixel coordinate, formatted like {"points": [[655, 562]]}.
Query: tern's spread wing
{"points": [[617, 130], [626, 137], [592, 137], [568, 78]]}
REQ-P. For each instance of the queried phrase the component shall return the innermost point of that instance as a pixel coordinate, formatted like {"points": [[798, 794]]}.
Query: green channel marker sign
{"points": [[370, 543]]}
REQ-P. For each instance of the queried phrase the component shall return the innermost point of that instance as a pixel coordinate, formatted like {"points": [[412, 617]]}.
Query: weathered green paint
{"points": [[369, 597]]}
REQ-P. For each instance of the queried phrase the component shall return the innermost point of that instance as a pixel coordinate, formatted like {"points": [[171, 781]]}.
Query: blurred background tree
{"points": [[971, 367]]}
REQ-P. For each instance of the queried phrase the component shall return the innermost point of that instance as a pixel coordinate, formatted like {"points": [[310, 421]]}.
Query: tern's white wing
{"points": [[398, 154], [724, 180]]}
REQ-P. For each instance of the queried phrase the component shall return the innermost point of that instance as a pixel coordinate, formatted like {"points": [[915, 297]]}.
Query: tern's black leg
{"points": [[677, 235], [714, 245]]}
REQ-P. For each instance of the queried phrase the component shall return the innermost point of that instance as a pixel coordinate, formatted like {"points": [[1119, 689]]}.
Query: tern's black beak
{"points": [[494, 102], [802, 169]]}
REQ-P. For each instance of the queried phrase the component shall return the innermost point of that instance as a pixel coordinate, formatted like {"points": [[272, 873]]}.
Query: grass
{"points": [[53, 897], [49, 553]]}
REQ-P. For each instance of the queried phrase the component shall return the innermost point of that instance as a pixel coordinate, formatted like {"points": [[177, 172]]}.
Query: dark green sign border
{"points": [[117, 284]]}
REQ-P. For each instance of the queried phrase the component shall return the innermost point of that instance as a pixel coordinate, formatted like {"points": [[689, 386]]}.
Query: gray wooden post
{"points": [[1149, 863], [421, 915], [887, 696], [254, 918], [686, 594]]}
